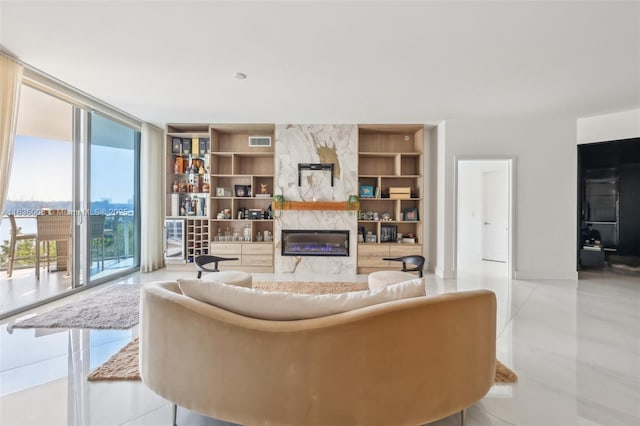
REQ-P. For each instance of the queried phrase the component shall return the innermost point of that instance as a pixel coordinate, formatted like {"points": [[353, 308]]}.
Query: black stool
{"points": [[418, 261], [206, 259]]}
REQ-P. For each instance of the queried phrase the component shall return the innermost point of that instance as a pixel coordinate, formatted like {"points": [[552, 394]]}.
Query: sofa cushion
{"points": [[271, 305], [381, 279], [238, 278]]}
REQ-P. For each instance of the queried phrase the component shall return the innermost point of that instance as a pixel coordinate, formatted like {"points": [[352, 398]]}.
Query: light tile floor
{"points": [[23, 289], [574, 344]]}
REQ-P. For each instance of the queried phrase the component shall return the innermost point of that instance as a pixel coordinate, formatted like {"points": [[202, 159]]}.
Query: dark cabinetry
{"points": [[609, 201], [601, 207], [629, 211]]}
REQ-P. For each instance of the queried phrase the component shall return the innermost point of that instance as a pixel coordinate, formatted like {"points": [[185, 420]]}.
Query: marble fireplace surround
{"points": [[336, 144]]}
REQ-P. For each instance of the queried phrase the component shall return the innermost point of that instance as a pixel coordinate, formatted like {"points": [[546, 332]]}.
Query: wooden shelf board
{"points": [[390, 199], [317, 205], [253, 154], [390, 176], [195, 134], [389, 128], [378, 154], [241, 220], [252, 129], [375, 154]]}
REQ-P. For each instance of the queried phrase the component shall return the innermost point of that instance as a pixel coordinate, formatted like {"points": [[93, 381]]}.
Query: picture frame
{"points": [[366, 191], [242, 190], [410, 214], [186, 146], [176, 146], [219, 192]]}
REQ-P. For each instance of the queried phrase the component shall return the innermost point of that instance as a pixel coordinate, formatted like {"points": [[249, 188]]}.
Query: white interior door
{"points": [[495, 208]]}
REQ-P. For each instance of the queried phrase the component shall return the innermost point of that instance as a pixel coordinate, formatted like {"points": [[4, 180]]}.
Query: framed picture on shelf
{"points": [[219, 192], [186, 146], [366, 191], [176, 146], [411, 214], [242, 190]]}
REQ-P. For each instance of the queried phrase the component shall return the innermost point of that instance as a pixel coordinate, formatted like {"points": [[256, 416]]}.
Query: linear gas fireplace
{"points": [[297, 242]]}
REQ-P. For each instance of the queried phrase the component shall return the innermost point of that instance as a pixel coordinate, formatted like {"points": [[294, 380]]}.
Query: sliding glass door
{"points": [[41, 183], [113, 192], [69, 162]]}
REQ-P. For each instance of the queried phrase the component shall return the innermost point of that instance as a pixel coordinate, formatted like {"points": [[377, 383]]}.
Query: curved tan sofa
{"points": [[406, 362]]}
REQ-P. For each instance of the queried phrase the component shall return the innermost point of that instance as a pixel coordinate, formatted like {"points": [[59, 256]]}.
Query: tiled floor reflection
{"points": [[23, 289], [574, 344]]}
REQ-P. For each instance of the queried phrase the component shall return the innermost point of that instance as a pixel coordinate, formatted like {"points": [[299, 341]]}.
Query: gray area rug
{"points": [[114, 307]]}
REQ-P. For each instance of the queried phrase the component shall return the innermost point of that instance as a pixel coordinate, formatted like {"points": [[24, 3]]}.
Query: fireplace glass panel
{"points": [[296, 242]]}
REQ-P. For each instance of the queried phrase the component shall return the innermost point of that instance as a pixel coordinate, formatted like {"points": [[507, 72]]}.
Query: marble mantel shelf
{"points": [[317, 205]]}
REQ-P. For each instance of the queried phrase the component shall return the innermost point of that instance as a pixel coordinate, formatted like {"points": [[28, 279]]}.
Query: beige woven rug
{"points": [[124, 364], [113, 307]]}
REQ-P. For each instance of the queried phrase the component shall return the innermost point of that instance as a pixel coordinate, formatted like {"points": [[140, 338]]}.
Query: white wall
{"points": [[545, 190], [442, 268], [609, 127], [431, 225]]}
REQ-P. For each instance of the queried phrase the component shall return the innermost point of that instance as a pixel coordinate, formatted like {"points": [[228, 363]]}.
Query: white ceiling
{"points": [[335, 62]]}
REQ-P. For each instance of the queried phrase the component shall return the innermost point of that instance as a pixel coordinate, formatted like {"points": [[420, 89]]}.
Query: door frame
{"points": [[511, 219]]}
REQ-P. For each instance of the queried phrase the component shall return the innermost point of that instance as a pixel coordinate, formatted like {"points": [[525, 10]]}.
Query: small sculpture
{"points": [[263, 188]]}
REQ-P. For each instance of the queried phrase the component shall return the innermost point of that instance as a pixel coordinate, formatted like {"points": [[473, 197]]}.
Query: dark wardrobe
{"points": [[609, 203]]}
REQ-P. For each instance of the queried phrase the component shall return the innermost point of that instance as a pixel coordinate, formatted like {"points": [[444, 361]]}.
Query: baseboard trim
{"points": [[545, 275], [447, 275]]}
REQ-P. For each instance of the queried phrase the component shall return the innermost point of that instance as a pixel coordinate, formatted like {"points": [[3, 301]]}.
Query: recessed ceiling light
{"points": [[240, 75]]}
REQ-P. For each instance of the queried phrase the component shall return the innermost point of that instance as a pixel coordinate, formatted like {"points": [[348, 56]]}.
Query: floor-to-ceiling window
{"points": [[81, 164], [113, 194], [41, 181]]}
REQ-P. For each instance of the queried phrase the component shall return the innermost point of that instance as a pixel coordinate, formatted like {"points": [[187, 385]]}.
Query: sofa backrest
{"points": [[404, 362]]}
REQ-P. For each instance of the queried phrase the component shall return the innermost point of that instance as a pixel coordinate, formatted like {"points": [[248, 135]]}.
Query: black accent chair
{"points": [[206, 259], [417, 261]]}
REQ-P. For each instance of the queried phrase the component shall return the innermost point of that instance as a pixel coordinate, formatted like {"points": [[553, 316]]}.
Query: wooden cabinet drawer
{"points": [[257, 260], [398, 250], [372, 262], [379, 250], [263, 249], [370, 255], [228, 265], [226, 249]]}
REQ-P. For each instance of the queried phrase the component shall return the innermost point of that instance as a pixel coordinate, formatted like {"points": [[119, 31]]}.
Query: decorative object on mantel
{"points": [[278, 202], [353, 203], [313, 167], [277, 205]]}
